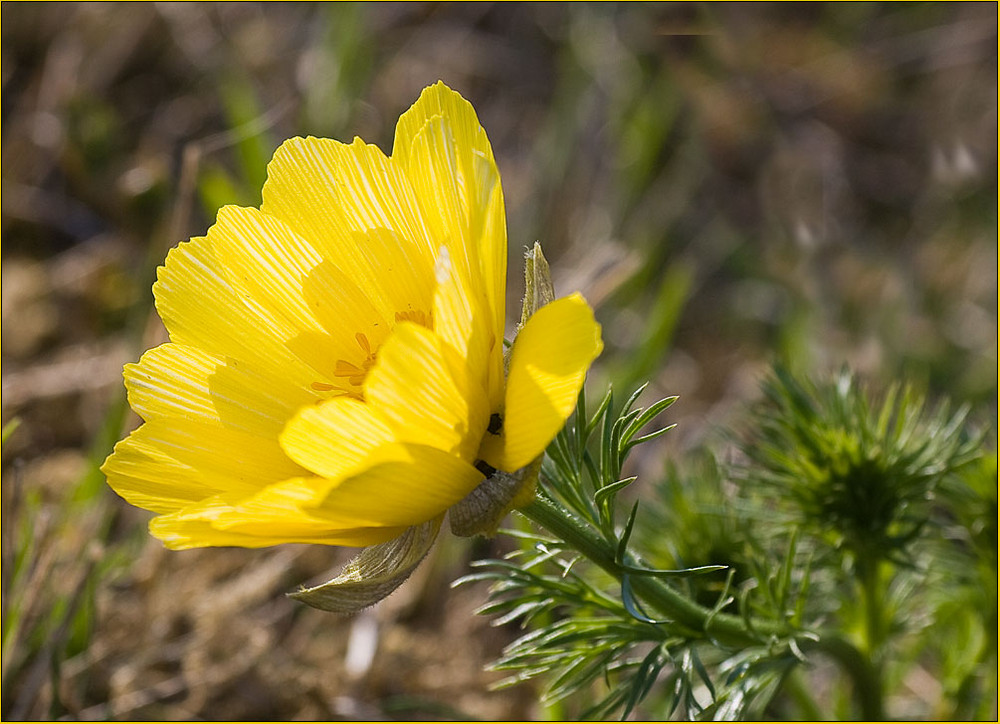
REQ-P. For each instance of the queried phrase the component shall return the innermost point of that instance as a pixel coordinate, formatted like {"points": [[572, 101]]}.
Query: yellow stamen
{"points": [[418, 316], [356, 373]]}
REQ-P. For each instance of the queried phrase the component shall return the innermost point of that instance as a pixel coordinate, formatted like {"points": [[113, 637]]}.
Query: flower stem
{"points": [[723, 628], [859, 669], [869, 579], [799, 692]]}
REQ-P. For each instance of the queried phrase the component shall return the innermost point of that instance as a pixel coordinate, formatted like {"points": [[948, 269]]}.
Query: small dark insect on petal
{"points": [[485, 468], [496, 424]]}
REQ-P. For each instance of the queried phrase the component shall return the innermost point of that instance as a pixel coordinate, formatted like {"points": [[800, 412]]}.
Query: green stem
{"points": [[859, 669], [724, 628], [869, 580], [799, 692]]}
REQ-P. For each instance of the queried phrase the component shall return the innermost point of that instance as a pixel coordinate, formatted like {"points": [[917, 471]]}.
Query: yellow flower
{"points": [[336, 369]]}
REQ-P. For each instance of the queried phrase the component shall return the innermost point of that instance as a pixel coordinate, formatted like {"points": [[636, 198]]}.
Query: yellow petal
{"points": [[200, 308], [254, 293], [405, 485], [294, 510], [330, 192], [402, 485], [166, 465], [342, 310], [492, 244], [548, 364], [184, 383], [214, 522], [148, 477], [424, 399], [211, 428], [179, 534], [272, 265], [334, 438], [449, 161], [473, 348]]}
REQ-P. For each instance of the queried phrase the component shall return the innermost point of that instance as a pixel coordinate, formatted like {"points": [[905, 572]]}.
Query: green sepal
{"points": [[481, 511], [538, 289], [375, 573]]}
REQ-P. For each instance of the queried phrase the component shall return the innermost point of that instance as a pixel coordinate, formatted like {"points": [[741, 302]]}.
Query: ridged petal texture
{"points": [[335, 372]]}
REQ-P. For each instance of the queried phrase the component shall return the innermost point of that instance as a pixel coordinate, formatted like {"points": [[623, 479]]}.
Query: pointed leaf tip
{"points": [[538, 289]]}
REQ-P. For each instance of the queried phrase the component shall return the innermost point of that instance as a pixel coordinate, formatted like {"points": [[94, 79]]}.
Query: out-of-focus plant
{"points": [[832, 527], [962, 590]]}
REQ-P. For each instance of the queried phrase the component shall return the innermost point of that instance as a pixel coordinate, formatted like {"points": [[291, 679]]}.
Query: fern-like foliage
{"points": [[598, 636], [716, 600]]}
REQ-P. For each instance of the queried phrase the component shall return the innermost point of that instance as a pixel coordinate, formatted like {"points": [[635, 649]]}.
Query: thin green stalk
{"points": [[869, 581], [799, 692], [871, 597], [729, 630], [859, 669], [724, 628]]}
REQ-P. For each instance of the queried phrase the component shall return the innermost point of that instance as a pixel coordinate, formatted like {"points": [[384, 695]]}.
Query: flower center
{"points": [[355, 372]]}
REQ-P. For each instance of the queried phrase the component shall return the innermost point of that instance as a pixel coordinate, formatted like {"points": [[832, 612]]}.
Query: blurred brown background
{"points": [[729, 183]]}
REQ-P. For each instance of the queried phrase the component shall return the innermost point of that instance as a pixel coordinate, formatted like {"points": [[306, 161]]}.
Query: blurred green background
{"points": [[729, 184]]}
